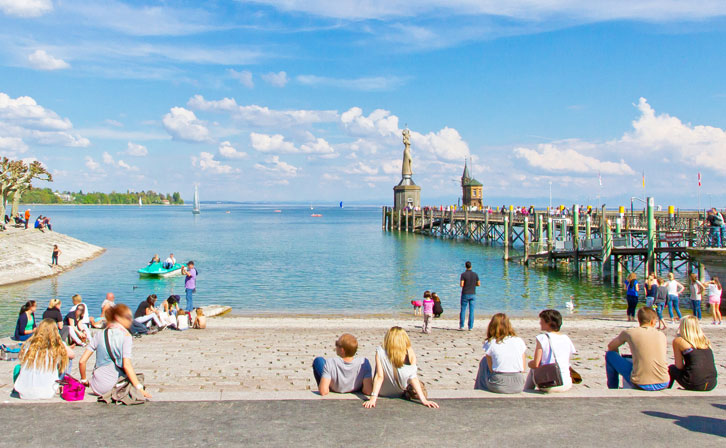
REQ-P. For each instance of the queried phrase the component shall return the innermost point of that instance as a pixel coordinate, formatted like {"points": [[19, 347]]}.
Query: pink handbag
{"points": [[72, 389]]}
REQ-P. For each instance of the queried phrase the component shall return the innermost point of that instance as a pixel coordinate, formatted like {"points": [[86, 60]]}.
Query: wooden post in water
{"points": [[650, 261], [398, 223], [406, 225], [451, 221], [588, 235], [383, 218], [576, 235], [486, 226], [506, 238], [550, 233], [526, 239], [466, 222]]}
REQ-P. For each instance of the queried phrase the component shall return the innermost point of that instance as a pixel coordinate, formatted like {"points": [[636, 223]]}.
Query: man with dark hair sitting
{"points": [[648, 369], [344, 373]]}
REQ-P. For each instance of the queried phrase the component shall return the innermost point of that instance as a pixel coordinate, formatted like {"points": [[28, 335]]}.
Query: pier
{"points": [[613, 240]]}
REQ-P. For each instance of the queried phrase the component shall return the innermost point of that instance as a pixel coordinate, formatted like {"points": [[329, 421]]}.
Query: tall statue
{"points": [[406, 170]]}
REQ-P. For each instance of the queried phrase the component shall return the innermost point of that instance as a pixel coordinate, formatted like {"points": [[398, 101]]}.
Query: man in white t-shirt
{"points": [[169, 262], [344, 373], [110, 302]]}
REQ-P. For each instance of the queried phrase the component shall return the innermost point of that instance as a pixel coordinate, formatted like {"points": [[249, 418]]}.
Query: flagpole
{"points": [[699, 192]]}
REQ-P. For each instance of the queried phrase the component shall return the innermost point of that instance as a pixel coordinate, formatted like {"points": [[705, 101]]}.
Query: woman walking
{"points": [[714, 299], [697, 289], [631, 295], [694, 367], [674, 289]]}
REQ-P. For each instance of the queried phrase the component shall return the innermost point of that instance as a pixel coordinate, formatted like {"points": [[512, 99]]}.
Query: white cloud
{"points": [[275, 79], [228, 151], [108, 160], [136, 150], [11, 146], [206, 162], [182, 124], [23, 118], [373, 83], [513, 9], [92, 164], [271, 143], [362, 168], [379, 122], [262, 116], [392, 166], [693, 145], [549, 157], [114, 123], [445, 144], [317, 146], [244, 77], [277, 166], [41, 60], [26, 8]]}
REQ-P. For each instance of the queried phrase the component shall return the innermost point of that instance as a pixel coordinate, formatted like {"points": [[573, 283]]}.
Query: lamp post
{"points": [[550, 208]]}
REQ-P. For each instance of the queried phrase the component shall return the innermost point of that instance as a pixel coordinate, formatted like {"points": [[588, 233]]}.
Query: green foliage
{"points": [[47, 196]]}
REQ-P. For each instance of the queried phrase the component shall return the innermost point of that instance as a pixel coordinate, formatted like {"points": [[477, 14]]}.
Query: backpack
{"points": [[138, 329]]}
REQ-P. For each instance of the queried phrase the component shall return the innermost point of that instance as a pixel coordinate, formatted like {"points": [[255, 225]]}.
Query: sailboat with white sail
{"points": [[196, 210]]}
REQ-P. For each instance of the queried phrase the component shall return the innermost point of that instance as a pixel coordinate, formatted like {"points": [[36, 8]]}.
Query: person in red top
{"points": [[27, 217]]}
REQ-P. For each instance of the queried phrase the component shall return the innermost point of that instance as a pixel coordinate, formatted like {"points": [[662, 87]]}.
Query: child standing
{"points": [[54, 257], [417, 304], [438, 309], [428, 313]]}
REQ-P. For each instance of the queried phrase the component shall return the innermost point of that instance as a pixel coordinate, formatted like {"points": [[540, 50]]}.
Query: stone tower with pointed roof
{"points": [[406, 194], [472, 191]]}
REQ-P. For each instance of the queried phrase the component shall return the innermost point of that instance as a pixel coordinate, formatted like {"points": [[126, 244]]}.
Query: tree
{"points": [[33, 171]]}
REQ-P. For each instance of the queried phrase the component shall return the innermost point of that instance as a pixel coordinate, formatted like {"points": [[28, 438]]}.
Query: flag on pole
{"points": [[643, 180], [599, 178], [699, 179]]}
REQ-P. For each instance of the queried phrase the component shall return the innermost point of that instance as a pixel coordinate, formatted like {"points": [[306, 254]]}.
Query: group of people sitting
{"points": [[47, 348], [502, 369], [41, 222]]}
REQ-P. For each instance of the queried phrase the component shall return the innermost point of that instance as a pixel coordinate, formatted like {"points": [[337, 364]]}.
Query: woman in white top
{"points": [[43, 360], [697, 289], [500, 370], [552, 346], [674, 288], [396, 369], [714, 299]]}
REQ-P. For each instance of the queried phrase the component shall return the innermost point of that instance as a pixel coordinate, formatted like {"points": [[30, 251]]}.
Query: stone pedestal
{"points": [[406, 196]]}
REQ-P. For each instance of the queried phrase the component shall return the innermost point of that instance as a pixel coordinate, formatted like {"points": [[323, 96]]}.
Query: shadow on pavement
{"points": [[694, 423]]}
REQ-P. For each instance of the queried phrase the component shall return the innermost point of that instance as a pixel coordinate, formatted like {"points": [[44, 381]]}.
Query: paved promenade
{"points": [[595, 422], [248, 358]]}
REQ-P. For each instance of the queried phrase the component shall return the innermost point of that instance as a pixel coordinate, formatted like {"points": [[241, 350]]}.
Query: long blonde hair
{"points": [[45, 350], [691, 332], [396, 344], [53, 303]]}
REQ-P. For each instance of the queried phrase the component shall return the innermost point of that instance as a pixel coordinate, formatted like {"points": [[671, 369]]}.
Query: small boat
{"points": [[341, 204], [157, 270], [316, 215], [196, 210], [228, 212], [278, 211], [140, 203]]}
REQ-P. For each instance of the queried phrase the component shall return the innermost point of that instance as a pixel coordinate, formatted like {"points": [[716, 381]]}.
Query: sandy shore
{"points": [[270, 357], [26, 254]]}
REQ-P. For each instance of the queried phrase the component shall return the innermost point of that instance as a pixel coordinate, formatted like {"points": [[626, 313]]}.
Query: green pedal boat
{"points": [[157, 270]]}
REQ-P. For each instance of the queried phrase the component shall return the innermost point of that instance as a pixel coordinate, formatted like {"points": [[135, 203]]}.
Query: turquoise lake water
{"points": [[259, 261]]}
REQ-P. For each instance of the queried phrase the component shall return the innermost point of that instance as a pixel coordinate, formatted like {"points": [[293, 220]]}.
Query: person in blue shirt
{"points": [[631, 283]]}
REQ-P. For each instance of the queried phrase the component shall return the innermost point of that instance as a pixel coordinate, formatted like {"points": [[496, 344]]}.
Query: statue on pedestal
{"points": [[406, 170]]}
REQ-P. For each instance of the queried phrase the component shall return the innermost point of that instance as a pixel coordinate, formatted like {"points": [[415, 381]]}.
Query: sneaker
{"points": [[462, 328]]}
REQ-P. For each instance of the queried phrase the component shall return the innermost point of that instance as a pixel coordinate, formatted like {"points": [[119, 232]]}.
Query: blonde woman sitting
{"points": [[43, 360], [396, 369], [695, 368]]}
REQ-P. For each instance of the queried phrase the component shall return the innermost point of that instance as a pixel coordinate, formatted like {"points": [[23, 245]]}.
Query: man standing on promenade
{"points": [[190, 283], [469, 282], [345, 373]]}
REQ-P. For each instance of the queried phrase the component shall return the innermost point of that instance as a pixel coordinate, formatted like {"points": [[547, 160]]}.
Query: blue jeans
{"points": [[659, 310], [673, 304], [649, 301], [190, 299], [696, 307], [714, 236], [617, 366], [318, 365], [23, 337], [467, 300]]}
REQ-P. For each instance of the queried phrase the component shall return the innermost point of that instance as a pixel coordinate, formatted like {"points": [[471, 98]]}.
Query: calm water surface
{"points": [[257, 261]]}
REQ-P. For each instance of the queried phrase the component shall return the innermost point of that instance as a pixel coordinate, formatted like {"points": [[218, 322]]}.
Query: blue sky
{"points": [[305, 100]]}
